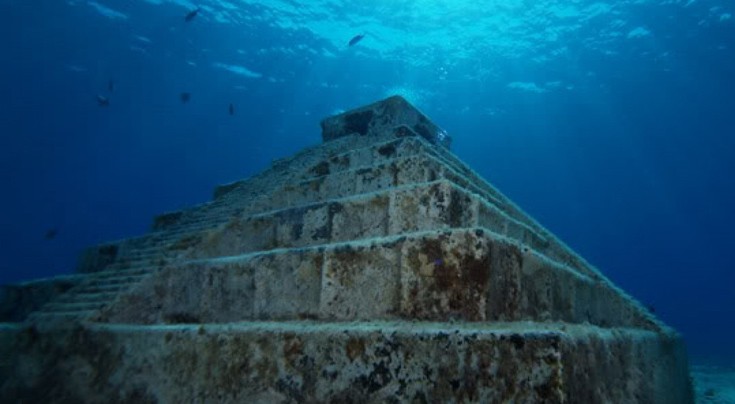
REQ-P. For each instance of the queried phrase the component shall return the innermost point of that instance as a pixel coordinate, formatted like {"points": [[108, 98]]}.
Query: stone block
{"points": [[491, 218], [360, 218], [167, 220], [374, 179], [380, 117], [97, 258], [446, 277], [238, 236], [288, 286], [338, 185], [344, 362], [300, 227], [224, 189], [360, 282], [18, 301], [432, 206], [212, 292], [413, 147]]}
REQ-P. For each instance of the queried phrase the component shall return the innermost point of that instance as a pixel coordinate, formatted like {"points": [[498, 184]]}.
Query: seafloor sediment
{"points": [[714, 384]]}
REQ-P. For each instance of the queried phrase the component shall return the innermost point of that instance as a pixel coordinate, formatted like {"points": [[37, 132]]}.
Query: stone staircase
{"points": [[174, 234], [95, 292], [351, 190], [374, 196]]}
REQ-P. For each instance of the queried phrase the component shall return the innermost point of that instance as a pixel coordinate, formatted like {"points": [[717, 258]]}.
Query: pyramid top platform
{"points": [[384, 116]]}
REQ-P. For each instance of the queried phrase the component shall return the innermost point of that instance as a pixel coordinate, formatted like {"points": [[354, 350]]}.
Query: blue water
{"points": [[611, 123]]}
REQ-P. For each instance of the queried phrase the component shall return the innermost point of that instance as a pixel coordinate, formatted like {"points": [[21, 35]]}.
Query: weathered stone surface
{"points": [[376, 267], [337, 362], [446, 277], [383, 116], [288, 286], [361, 282], [189, 294], [437, 205], [18, 301], [454, 275], [360, 218], [97, 258]]}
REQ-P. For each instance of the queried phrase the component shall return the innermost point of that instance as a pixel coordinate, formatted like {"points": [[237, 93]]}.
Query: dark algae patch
{"points": [[358, 122]]}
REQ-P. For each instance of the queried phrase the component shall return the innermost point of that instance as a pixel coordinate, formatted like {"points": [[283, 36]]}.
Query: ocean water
{"points": [[611, 123]]}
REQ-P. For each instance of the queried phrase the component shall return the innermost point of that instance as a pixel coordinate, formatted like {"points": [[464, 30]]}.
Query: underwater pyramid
{"points": [[375, 267]]}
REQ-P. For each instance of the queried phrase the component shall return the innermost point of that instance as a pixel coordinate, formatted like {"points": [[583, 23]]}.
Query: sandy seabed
{"points": [[714, 384]]}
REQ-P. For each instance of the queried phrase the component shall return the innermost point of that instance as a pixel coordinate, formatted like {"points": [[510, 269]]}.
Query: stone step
{"points": [[522, 223], [95, 292], [396, 171], [199, 216], [387, 361], [406, 171], [212, 214], [476, 183], [400, 156], [427, 206], [460, 274], [240, 196], [118, 282], [148, 250], [127, 272], [131, 273], [403, 147], [446, 165], [401, 171], [66, 307], [303, 165], [95, 287], [175, 234], [202, 221], [378, 214], [43, 316], [91, 297], [122, 266], [374, 154], [126, 263]]}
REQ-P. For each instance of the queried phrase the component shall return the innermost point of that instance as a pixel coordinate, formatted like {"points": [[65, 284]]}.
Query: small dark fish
{"points": [[438, 262], [356, 39], [651, 308], [232, 109], [51, 234], [191, 14], [185, 97], [103, 101], [111, 85]]}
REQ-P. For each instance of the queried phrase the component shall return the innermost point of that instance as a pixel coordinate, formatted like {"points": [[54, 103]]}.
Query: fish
{"points": [[185, 97], [191, 14], [356, 39], [51, 233], [103, 101], [232, 109], [111, 85]]}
